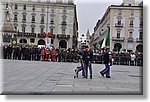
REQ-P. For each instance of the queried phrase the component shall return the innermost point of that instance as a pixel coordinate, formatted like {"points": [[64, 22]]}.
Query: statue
{"points": [[8, 13]]}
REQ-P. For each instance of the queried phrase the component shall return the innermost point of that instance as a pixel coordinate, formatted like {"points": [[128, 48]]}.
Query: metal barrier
{"points": [[120, 60]]}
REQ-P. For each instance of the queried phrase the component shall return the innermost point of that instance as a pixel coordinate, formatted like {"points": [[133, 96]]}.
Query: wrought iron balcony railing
{"points": [[42, 36], [22, 34], [130, 39], [139, 40], [118, 38], [118, 25], [61, 36]]}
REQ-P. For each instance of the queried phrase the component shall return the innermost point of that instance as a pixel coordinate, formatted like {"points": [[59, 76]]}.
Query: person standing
{"points": [[5, 52], [54, 55], [47, 54], [19, 52], [132, 61], [87, 59], [107, 57], [15, 52], [43, 53], [90, 58], [9, 51], [37, 53]]}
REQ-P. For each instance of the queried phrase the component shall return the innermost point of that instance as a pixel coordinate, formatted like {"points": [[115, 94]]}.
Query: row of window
{"points": [[41, 30], [131, 24], [33, 29], [42, 9], [32, 40], [42, 19], [131, 12], [130, 35]]}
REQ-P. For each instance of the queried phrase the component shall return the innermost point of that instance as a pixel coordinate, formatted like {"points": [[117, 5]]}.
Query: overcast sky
{"points": [[90, 11]]}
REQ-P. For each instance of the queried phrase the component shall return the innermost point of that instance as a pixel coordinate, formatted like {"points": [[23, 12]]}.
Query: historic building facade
{"points": [[39, 22], [125, 25]]}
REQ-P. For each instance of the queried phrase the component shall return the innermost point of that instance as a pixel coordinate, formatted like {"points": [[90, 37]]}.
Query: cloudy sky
{"points": [[90, 11]]}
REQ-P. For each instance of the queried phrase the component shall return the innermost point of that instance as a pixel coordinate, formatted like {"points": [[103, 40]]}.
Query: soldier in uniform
{"points": [[19, 53], [37, 53], [107, 56], [9, 51], [15, 52], [5, 52], [47, 54], [27, 53], [43, 53], [54, 55], [23, 52]]}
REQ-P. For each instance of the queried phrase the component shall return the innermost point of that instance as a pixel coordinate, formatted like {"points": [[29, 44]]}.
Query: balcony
{"points": [[130, 39], [60, 36], [118, 39], [23, 20], [15, 20], [42, 36], [141, 25], [63, 23], [52, 36], [32, 21], [21, 34], [139, 40], [42, 22], [52, 22], [118, 25], [131, 25]]}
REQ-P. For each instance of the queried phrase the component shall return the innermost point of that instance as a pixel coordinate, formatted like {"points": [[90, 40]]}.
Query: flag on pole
{"points": [[106, 41], [103, 44]]}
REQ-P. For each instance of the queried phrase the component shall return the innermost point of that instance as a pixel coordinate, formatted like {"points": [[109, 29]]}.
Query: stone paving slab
{"points": [[48, 78]]}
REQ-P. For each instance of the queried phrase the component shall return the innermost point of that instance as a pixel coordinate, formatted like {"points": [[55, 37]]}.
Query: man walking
{"points": [[87, 58], [107, 56]]}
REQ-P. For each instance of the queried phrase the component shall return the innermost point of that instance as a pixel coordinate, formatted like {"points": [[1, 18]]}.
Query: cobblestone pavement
{"points": [[44, 78]]}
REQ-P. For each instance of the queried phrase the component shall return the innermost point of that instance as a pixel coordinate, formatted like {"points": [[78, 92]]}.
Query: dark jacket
{"points": [[106, 57], [87, 56]]}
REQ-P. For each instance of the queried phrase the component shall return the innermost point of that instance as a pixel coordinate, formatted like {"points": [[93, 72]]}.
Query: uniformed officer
{"points": [[107, 57]]}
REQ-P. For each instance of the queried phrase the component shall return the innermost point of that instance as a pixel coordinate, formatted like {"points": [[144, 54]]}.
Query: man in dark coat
{"points": [[87, 59], [5, 52], [19, 53], [26, 52], [15, 52], [9, 51]]}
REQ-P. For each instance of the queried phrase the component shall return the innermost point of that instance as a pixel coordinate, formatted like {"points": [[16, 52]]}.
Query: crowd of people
{"points": [[123, 58], [34, 53]]}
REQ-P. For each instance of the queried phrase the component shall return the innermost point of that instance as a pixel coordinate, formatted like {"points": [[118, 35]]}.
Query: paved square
{"points": [[38, 77]]}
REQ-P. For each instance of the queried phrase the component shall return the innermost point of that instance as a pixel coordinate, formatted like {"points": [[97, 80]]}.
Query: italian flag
{"points": [[106, 41]]}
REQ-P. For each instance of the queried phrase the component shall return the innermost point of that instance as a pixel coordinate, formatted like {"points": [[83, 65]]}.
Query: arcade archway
{"points": [[41, 42], [23, 41], [139, 48], [62, 44], [117, 47]]}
